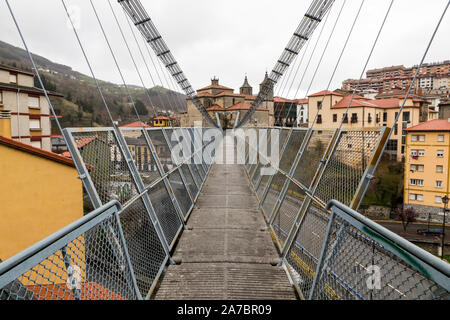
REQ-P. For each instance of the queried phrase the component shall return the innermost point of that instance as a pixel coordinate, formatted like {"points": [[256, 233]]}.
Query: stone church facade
{"points": [[222, 103]]}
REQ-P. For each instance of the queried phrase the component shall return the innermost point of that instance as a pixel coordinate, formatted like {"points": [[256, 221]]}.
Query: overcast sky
{"points": [[231, 38]]}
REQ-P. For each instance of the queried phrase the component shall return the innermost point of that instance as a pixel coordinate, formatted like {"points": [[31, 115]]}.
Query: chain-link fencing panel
{"points": [[292, 147], [142, 155], [347, 165], [257, 175], [304, 253], [165, 211], [191, 185], [283, 134], [179, 189], [146, 252], [88, 264], [273, 192], [311, 157], [262, 186], [357, 267], [287, 212], [106, 166], [195, 174], [161, 148]]}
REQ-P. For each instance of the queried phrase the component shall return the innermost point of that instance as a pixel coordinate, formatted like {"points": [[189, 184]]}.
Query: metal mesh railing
{"points": [[316, 167], [119, 250], [363, 261], [86, 261]]}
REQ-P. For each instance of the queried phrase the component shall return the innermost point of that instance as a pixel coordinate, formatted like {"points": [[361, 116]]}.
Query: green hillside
{"points": [[82, 105]]}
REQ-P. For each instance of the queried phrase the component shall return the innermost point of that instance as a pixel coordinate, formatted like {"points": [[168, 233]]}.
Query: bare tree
{"points": [[406, 216]]}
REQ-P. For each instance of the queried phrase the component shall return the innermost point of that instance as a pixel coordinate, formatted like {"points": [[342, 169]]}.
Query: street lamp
{"points": [[445, 201]]}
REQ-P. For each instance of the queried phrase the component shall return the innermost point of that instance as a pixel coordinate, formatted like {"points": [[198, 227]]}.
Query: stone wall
{"points": [[425, 212]]}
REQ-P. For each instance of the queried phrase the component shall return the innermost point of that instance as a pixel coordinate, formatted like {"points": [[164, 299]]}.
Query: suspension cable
{"points": [[89, 65], [367, 62], [145, 61], [416, 74], [131, 56], [116, 63], [321, 58], [311, 55], [339, 59], [30, 57]]}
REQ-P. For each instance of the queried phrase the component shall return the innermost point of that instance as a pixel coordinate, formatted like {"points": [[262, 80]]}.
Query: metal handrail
{"points": [[404, 244]]}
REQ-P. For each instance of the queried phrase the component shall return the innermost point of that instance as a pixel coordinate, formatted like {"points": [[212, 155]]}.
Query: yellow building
{"points": [[368, 113], [161, 121], [27, 107], [427, 175], [39, 194]]}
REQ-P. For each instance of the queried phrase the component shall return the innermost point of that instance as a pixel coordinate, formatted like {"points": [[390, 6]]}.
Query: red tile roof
{"points": [[356, 102], [283, 100], [35, 151], [137, 124], [432, 125], [215, 107], [325, 92], [302, 101], [161, 118], [359, 101], [215, 86]]}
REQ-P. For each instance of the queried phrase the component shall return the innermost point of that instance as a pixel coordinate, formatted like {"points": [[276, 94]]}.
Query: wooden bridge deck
{"points": [[226, 255]]}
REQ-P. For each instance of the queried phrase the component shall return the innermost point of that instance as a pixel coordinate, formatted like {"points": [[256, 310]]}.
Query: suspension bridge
{"points": [[199, 227]]}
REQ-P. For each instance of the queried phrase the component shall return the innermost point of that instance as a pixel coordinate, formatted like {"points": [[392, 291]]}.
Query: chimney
{"points": [[5, 123]]}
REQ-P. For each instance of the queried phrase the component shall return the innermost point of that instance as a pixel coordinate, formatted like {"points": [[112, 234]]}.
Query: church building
{"points": [[225, 106]]}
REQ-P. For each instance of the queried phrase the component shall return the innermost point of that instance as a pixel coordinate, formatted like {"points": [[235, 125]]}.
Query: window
{"points": [[385, 115], [439, 169], [414, 153], [437, 199], [354, 118], [36, 144], [369, 119], [1, 97], [418, 138], [438, 184], [33, 102], [417, 167], [406, 116], [334, 117], [440, 153], [416, 182], [421, 153], [440, 138], [319, 119], [35, 124], [345, 118], [416, 197], [378, 117], [319, 105], [13, 78]]}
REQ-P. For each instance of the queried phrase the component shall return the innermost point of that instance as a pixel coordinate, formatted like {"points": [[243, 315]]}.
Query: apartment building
{"points": [[433, 77], [26, 108], [331, 106], [427, 175]]}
